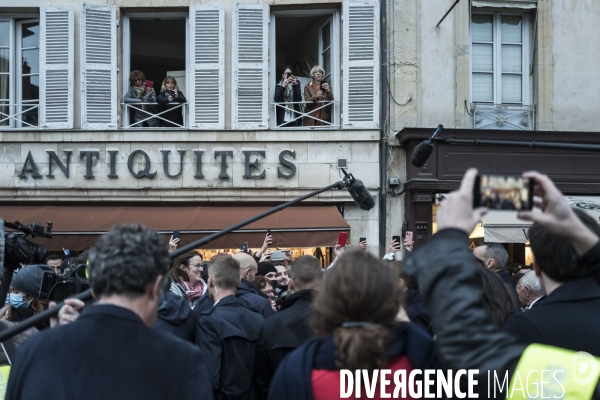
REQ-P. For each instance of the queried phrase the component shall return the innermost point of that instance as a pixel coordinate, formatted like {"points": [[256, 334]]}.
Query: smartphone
{"points": [[176, 234], [244, 247], [409, 238], [503, 192], [278, 255], [288, 74], [268, 232], [396, 238], [362, 239], [149, 84], [342, 238]]}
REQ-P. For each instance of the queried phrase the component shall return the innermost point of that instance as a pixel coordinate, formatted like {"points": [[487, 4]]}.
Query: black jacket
{"points": [[416, 311], [172, 114], [282, 333], [227, 337], [249, 297], [108, 353], [296, 96], [569, 317], [175, 316]]}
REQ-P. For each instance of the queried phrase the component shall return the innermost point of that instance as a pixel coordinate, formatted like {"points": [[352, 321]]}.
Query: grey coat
{"points": [[131, 97]]}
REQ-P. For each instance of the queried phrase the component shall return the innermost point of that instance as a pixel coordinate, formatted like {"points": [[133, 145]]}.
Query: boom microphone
{"points": [[424, 149], [359, 192]]}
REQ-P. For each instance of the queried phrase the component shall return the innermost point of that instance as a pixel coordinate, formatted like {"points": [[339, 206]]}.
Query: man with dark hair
{"points": [[289, 328], [54, 261], [572, 302], [110, 346], [494, 256], [228, 332]]}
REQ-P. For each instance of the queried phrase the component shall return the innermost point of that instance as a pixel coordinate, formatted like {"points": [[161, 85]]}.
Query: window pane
{"points": [[3, 114], [511, 88], [31, 61], [30, 115], [511, 58], [31, 88], [511, 29], [483, 87], [327, 62], [4, 87], [482, 28], [327, 35], [483, 58], [4, 26], [30, 34], [4, 62]]}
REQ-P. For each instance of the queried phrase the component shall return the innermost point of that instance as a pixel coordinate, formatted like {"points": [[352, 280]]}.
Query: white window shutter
{"points": [[56, 67], [250, 66], [98, 67], [207, 97], [361, 64]]}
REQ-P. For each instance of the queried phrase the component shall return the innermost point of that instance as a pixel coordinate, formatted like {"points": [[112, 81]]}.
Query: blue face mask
{"points": [[16, 300]]}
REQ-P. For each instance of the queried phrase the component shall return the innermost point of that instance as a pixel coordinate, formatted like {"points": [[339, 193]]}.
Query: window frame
{"points": [[526, 57], [15, 75], [126, 57], [19, 73], [336, 53]]}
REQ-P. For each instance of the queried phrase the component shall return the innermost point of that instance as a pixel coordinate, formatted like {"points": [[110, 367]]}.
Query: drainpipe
{"points": [[383, 135]]}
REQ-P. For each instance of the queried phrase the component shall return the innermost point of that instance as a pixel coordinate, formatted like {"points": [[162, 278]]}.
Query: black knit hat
{"points": [[264, 268], [29, 279]]}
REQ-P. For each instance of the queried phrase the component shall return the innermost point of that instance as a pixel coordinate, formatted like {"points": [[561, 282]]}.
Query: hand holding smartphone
{"points": [[342, 238], [408, 239]]}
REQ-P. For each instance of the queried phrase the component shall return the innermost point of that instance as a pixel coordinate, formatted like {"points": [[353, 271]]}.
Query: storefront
{"points": [[572, 171]]}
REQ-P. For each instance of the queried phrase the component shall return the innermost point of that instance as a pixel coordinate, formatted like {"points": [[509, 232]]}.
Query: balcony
{"points": [[502, 116]]}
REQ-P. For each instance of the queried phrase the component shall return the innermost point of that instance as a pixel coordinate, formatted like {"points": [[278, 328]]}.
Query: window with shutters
{"points": [[500, 69], [156, 45], [19, 73], [301, 40]]}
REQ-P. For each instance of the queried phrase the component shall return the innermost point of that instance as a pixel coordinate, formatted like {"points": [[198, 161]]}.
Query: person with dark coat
{"points": [[572, 295], [289, 328], [170, 97], [228, 333], [248, 295], [354, 317], [175, 316], [288, 91], [110, 351]]}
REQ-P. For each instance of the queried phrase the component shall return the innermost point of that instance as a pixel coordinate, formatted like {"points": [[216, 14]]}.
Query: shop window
{"points": [[19, 73], [156, 45]]}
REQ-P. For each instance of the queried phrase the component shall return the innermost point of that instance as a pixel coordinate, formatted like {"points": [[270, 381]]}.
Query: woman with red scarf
{"points": [[186, 277]]}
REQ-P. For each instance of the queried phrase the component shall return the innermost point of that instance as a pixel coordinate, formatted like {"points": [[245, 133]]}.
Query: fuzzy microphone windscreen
{"points": [[361, 195], [421, 154]]}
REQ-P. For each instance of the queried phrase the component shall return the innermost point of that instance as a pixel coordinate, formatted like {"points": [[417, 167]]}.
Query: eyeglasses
{"points": [[197, 265]]}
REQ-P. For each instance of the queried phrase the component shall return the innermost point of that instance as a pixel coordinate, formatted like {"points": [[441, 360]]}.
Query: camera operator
{"points": [[110, 346]]}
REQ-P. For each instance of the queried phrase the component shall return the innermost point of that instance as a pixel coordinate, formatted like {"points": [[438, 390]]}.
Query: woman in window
{"points": [[314, 92], [186, 279], [170, 97], [139, 92], [288, 91]]}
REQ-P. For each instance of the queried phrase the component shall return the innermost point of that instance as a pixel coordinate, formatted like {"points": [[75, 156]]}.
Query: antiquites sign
{"points": [[140, 166]]}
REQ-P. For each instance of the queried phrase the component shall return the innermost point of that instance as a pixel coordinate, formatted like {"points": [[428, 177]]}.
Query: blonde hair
{"points": [[163, 86], [316, 68]]}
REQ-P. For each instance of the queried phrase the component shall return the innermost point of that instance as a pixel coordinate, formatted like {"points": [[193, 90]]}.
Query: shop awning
{"points": [[505, 227], [77, 227]]}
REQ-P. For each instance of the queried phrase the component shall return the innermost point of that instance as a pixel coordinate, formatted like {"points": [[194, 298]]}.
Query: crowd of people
{"points": [[266, 326], [291, 109]]}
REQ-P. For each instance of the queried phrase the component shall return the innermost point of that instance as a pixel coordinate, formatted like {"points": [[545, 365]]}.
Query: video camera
{"points": [[59, 287]]}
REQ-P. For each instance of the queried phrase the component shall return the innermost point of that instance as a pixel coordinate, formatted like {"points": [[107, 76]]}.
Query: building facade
{"points": [[72, 147], [513, 70]]}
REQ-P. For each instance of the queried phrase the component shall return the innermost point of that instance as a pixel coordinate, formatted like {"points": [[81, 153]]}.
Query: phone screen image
{"points": [[501, 192]]}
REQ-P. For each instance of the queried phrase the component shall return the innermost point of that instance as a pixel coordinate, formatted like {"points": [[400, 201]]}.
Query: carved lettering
{"points": [[53, 157], [254, 165], [113, 164], [223, 155], [165, 154], [291, 166], [199, 174], [89, 156], [142, 172], [33, 169]]}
